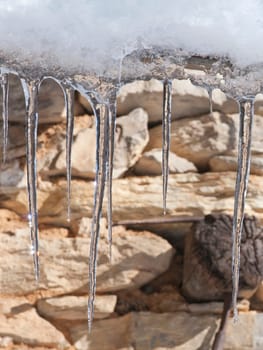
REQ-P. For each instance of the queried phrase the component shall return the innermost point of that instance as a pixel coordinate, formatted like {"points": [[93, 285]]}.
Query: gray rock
{"points": [[147, 330], [169, 331], [150, 163], [70, 308]]}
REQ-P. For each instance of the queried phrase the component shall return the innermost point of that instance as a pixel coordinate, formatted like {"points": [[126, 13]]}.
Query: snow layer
{"points": [[91, 32]]}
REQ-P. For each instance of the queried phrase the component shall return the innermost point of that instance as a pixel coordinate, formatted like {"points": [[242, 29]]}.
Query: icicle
{"points": [[111, 133], [246, 106], [31, 101], [167, 111], [69, 95], [5, 92], [101, 174]]}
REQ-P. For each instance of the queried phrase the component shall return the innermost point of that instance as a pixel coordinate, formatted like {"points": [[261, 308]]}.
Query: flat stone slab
{"points": [[20, 322], [136, 260]]}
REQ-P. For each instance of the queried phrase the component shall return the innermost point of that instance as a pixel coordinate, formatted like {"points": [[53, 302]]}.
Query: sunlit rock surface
{"points": [[140, 302]]}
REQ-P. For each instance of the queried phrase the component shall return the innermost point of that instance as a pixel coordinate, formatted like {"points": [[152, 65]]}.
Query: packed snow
{"points": [[88, 33]]}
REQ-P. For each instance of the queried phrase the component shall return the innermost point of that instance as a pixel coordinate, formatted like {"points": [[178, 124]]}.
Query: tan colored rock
{"points": [[136, 259], [20, 322], [150, 164], [141, 197], [229, 163], [188, 99], [70, 308], [83, 159], [131, 138], [197, 139]]}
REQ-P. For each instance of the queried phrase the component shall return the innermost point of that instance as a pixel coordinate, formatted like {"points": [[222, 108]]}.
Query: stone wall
{"points": [[141, 300]]}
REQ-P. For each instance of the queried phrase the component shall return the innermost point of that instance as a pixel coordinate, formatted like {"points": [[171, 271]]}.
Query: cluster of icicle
{"points": [[105, 113]]}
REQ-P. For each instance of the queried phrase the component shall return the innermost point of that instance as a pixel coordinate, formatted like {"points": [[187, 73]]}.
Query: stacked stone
{"points": [[145, 299]]}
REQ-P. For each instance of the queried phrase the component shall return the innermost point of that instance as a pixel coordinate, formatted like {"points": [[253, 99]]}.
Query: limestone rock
{"points": [[257, 137], [131, 138], [70, 308], [229, 163], [20, 322], [198, 139], [83, 159], [136, 259], [150, 164], [141, 197], [188, 99]]}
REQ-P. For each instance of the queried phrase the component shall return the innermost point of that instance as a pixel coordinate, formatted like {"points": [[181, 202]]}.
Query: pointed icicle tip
{"points": [[246, 116]]}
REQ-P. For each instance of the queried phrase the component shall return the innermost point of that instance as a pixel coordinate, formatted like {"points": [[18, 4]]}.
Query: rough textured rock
{"points": [[70, 308], [136, 259], [188, 99], [140, 197], [10, 174], [150, 163], [131, 138], [142, 331], [229, 163], [20, 322], [168, 331], [208, 255], [198, 139]]}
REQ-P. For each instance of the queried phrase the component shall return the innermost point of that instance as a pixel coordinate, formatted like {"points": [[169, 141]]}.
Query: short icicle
{"points": [[166, 131], [112, 126], [69, 95], [30, 89], [5, 93], [101, 175], [246, 106]]}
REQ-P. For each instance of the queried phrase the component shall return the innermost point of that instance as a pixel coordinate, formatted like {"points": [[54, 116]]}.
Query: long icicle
{"points": [[112, 126], [69, 95], [31, 101], [246, 106], [101, 174], [5, 92], [166, 131]]}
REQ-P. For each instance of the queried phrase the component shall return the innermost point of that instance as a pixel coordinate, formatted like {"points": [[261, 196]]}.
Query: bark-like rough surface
{"points": [[207, 271]]}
